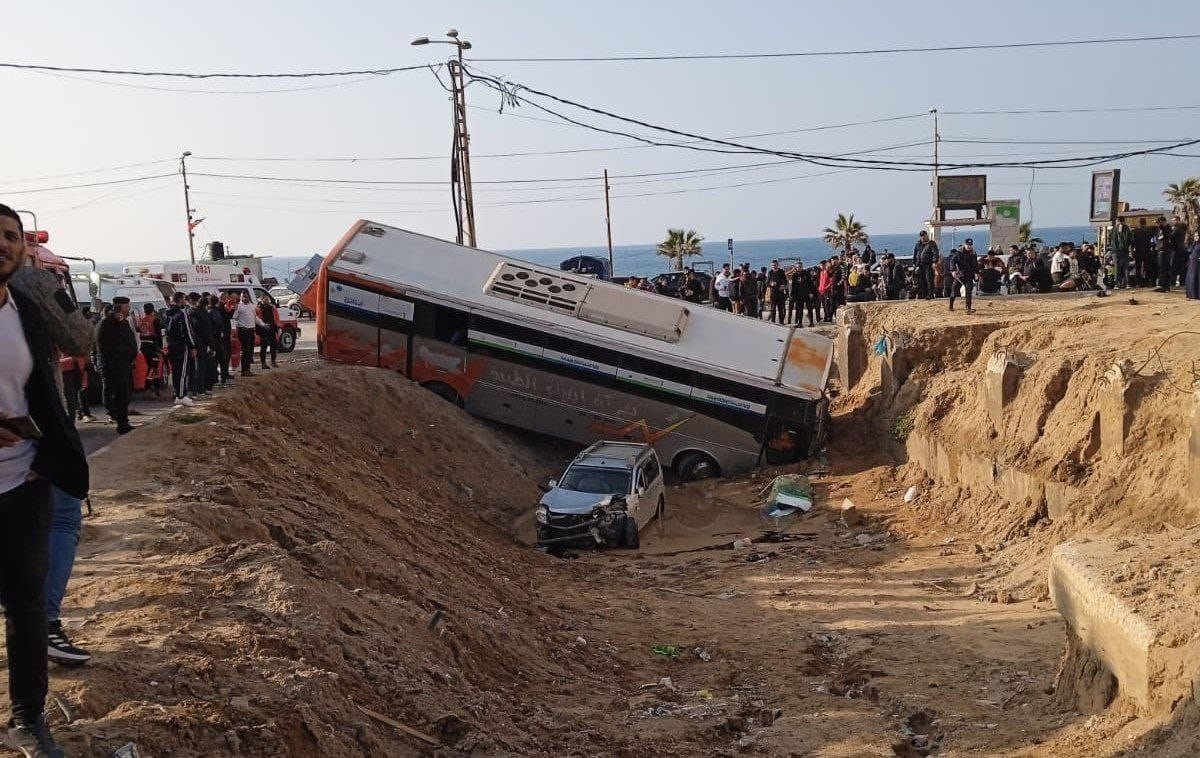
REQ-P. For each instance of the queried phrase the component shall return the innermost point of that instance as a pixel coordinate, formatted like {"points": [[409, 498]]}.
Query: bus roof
{"points": [[744, 349]]}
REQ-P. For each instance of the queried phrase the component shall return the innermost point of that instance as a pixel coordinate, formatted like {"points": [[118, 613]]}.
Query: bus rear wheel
{"points": [[445, 392], [694, 465]]}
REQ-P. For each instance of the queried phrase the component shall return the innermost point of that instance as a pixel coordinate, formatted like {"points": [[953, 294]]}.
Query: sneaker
{"points": [[264, 367], [185, 401], [1160, 289], [125, 429], [33, 740], [60, 650]]}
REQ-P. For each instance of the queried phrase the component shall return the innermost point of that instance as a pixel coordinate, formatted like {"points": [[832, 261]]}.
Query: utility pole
{"points": [[187, 204], [936, 139], [464, 199], [608, 223]]}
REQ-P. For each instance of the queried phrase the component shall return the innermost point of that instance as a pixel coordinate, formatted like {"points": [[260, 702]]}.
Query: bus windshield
{"points": [[599, 481]]}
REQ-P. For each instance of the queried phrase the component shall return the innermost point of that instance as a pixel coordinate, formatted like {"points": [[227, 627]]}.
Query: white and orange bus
{"points": [[573, 357]]}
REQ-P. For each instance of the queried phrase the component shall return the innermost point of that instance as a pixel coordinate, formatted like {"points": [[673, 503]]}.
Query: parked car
{"points": [[607, 495], [285, 298], [671, 284]]}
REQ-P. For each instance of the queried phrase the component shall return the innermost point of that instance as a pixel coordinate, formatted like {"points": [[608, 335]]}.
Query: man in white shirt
{"points": [[721, 289], [246, 319], [38, 448]]}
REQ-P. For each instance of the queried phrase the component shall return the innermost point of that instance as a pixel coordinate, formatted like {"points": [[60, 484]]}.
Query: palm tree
{"points": [[846, 233], [678, 245], [1185, 198], [1025, 235]]}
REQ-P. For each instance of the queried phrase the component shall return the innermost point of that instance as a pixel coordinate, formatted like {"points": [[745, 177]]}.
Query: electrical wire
{"points": [[90, 184], [1041, 111], [188, 75], [839, 53], [102, 170], [512, 90]]}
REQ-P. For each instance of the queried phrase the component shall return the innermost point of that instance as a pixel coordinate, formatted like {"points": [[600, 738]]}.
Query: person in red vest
{"points": [[825, 290]]}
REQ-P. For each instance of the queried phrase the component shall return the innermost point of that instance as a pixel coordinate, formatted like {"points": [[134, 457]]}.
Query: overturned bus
{"points": [[571, 356]]}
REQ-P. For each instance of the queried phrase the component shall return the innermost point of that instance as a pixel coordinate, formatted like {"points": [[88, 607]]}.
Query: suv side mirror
{"points": [[552, 484]]}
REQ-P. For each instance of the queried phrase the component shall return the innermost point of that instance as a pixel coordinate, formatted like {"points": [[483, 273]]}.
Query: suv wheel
{"points": [[287, 341], [695, 465], [629, 533]]}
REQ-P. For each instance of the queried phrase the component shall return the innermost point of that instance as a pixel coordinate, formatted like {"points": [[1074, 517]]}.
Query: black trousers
{"points": [[24, 546], [969, 284], [777, 311], [181, 371], [1121, 263], [1164, 269], [72, 388], [118, 388], [246, 337], [268, 341], [222, 359], [925, 281]]}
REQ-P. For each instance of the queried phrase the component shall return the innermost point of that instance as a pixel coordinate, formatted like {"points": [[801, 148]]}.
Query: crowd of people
{"points": [[188, 346], [56, 356], [1163, 257]]}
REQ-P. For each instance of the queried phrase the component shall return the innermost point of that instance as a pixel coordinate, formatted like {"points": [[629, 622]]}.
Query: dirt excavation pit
{"points": [[330, 561]]}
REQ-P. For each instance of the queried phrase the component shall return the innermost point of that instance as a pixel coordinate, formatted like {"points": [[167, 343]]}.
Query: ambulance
{"points": [[216, 278]]}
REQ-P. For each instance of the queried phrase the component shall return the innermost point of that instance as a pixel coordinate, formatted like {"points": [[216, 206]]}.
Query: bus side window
{"points": [[443, 324], [786, 441]]}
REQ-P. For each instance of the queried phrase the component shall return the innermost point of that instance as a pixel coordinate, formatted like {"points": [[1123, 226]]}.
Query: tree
{"points": [[1185, 198], [1025, 235], [680, 244], [846, 233]]}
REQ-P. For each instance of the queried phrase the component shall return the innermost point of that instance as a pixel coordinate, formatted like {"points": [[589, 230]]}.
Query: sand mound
{"points": [[315, 543]]}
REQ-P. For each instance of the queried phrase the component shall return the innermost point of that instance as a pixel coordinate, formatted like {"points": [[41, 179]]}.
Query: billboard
{"points": [[963, 192], [1106, 191], [1006, 223]]}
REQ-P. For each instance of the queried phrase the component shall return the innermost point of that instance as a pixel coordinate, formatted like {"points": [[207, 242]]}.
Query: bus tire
{"points": [[629, 533], [694, 465], [445, 392], [287, 341]]}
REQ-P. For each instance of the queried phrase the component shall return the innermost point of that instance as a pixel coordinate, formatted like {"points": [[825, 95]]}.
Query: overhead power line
{"points": [[839, 53], [89, 184], [209, 75], [512, 93]]}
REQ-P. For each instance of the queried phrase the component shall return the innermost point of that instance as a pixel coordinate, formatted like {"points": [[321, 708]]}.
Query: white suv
{"points": [[605, 497]]}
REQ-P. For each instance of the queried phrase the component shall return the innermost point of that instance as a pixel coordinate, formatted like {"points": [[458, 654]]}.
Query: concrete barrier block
{"points": [[1120, 637], [850, 346], [1001, 378], [1114, 411]]}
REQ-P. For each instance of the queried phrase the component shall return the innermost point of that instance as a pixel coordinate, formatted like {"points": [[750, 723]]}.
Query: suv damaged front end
{"points": [[564, 520]]}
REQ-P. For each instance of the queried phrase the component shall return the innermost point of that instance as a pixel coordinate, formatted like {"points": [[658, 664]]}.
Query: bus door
{"points": [[791, 432]]}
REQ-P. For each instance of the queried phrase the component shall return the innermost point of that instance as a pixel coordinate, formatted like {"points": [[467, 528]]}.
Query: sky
{"points": [[74, 129]]}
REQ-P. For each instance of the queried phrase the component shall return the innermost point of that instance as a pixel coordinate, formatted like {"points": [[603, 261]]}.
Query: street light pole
{"points": [[187, 204], [936, 139], [608, 224], [464, 198]]}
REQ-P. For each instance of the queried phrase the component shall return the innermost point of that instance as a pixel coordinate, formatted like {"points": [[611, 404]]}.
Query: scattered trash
{"points": [[768, 716], [581, 642], [703, 654], [667, 683], [436, 619], [66, 712], [742, 543], [670, 652], [866, 538], [911, 494], [787, 495], [128, 750]]}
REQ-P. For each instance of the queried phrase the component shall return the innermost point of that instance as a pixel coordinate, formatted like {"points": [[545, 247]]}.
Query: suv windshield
{"points": [[600, 481]]}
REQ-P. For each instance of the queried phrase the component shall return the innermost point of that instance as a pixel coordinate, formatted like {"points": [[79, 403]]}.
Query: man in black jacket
{"points": [[202, 332], [118, 346], [925, 254], [963, 268], [38, 448], [1164, 246]]}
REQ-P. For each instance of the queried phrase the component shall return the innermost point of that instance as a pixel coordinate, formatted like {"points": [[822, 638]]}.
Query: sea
{"points": [[643, 260]]}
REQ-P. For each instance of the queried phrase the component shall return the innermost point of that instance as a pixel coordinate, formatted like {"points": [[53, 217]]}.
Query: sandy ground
{"points": [[324, 540]]}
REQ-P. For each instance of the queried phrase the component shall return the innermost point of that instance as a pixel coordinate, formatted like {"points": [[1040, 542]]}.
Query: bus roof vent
{"points": [[661, 318], [540, 289], [643, 313]]}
